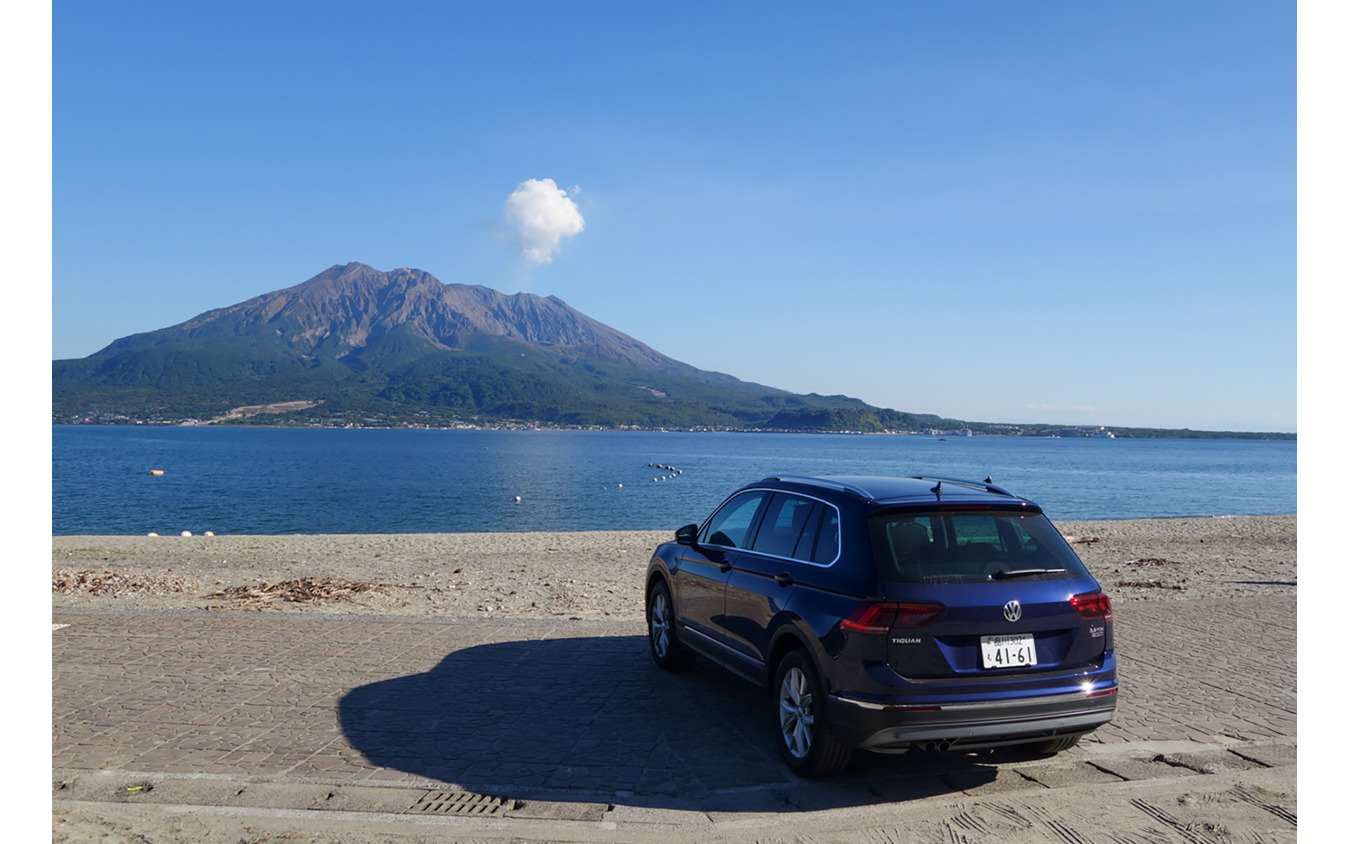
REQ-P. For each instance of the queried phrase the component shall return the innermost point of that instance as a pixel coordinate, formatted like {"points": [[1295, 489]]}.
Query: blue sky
{"points": [[1081, 213]]}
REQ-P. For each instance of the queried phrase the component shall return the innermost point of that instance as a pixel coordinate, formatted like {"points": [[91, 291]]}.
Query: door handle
{"points": [[724, 566], [783, 579]]}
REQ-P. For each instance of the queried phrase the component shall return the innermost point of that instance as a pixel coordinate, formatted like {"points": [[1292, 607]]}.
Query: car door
{"points": [[796, 537], [701, 577]]}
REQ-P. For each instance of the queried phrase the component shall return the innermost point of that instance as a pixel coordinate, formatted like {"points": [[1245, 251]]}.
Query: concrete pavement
{"points": [[356, 727]]}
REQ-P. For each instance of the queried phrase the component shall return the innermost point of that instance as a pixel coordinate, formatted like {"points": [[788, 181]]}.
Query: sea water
{"points": [[283, 480]]}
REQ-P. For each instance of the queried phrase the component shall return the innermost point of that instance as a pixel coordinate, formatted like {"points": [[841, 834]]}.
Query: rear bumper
{"points": [[883, 726]]}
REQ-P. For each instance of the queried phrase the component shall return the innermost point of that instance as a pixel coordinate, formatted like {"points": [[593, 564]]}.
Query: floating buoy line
{"points": [[667, 468], [674, 473]]}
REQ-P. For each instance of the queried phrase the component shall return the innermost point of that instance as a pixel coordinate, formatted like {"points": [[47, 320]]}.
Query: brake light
{"points": [[879, 618], [1092, 605]]}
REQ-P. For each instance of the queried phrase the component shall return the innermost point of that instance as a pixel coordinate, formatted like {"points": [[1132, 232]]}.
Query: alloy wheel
{"points": [[660, 625], [795, 717]]}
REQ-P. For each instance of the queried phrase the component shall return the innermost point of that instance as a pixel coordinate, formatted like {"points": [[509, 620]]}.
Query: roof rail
{"points": [[819, 481], [987, 485]]}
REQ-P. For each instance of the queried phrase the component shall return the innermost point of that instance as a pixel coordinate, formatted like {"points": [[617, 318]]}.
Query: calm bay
{"points": [[311, 481]]}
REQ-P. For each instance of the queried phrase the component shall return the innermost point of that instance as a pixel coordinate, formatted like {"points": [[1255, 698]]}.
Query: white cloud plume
{"points": [[542, 214]]}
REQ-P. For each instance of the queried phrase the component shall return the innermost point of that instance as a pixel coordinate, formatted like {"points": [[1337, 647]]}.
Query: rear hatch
{"points": [[985, 593]]}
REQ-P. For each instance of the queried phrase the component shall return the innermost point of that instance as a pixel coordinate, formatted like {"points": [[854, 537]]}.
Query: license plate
{"points": [[1008, 651]]}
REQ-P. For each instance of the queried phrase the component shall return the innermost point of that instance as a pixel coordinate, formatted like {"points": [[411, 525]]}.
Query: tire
{"points": [[662, 641], [806, 738]]}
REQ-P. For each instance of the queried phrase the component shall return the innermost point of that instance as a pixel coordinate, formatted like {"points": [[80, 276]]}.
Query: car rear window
{"points": [[973, 546]]}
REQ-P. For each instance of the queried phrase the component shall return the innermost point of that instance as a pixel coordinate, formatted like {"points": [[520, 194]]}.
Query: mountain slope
{"points": [[347, 308], [398, 347]]}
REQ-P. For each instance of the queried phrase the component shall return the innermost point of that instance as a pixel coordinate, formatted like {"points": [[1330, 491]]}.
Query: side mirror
{"points": [[687, 535]]}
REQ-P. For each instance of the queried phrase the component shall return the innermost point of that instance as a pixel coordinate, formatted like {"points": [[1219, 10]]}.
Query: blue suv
{"points": [[889, 614]]}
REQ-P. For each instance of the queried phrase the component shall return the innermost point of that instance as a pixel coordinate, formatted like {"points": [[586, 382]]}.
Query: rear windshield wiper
{"points": [[1007, 573]]}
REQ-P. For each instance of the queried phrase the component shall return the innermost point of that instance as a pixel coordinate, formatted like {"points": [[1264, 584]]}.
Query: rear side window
{"points": [[969, 547], [799, 528], [730, 525]]}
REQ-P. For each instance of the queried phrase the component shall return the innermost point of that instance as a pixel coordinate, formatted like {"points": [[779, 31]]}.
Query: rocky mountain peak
{"points": [[345, 308]]}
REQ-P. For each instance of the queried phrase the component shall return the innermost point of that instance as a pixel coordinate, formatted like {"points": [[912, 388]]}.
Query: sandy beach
{"points": [[584, 575]]}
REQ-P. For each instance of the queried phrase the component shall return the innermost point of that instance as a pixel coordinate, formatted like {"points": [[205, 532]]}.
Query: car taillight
{"points": [[878, 618], [1092, 605]]}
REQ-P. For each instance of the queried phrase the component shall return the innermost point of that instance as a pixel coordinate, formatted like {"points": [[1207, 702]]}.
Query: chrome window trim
{"points": [[838, 539]]}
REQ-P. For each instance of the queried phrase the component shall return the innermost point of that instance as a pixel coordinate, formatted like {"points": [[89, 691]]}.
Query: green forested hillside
{"points": [[491, 382]]}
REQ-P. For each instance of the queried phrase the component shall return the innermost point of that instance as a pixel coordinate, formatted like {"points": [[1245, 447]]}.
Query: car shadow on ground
{"points": [[591, 719]]}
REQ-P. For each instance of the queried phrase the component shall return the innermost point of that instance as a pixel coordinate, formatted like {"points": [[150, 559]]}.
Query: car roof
{"points": [[882, 490]]}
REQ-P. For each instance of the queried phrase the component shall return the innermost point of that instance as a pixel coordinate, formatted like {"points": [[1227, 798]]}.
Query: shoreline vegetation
{"points": [[249, 417], [583, 575]]}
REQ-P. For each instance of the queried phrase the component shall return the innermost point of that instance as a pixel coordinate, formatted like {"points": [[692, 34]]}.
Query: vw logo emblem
{"points": [[1012, 610]]}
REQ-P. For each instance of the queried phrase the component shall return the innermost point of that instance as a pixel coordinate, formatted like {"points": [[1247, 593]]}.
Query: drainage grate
{"points": [[462, 803]]}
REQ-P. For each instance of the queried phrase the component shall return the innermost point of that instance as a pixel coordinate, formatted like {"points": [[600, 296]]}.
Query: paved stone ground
{"points": [[570, 721]]}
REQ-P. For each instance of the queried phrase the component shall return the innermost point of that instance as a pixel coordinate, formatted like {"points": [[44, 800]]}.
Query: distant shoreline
{"points": [[1035, 432]]}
